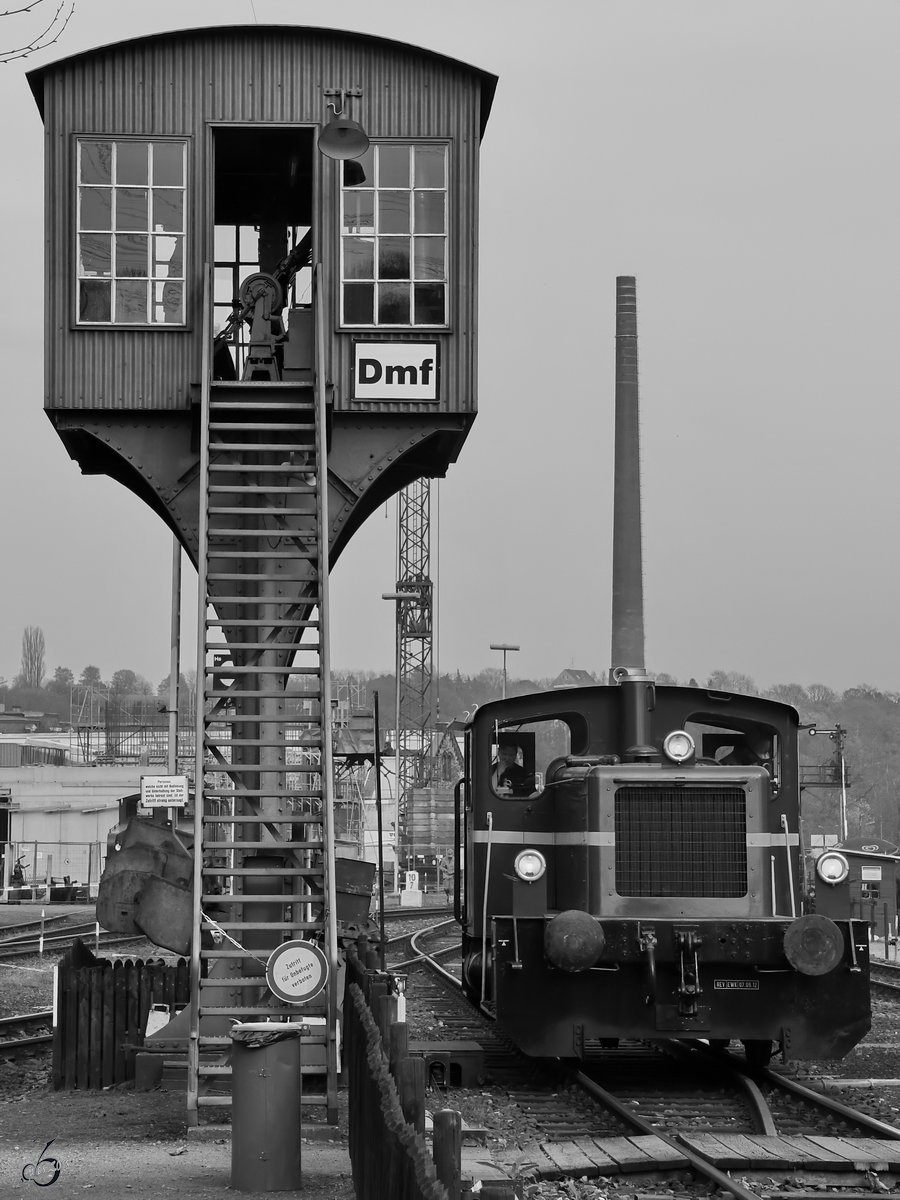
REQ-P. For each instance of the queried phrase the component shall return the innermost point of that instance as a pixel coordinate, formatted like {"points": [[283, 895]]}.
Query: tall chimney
{"points": [[627, 569]]}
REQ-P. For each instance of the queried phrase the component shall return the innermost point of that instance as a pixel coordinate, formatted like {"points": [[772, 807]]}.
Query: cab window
{"points": [[520, 755], [751, 746]]}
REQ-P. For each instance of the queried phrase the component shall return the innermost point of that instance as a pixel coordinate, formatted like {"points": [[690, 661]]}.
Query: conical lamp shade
{"points": [[342, 138], [354, 173]]}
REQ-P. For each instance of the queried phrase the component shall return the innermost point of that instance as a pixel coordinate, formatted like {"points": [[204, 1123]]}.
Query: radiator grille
{"points": [[685, 841]]}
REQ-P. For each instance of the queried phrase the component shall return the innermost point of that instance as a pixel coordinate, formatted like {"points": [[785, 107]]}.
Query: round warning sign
{"points": [[296, 972]]}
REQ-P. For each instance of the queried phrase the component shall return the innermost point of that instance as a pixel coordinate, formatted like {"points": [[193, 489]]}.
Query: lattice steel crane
{"points": [[414, 641]]}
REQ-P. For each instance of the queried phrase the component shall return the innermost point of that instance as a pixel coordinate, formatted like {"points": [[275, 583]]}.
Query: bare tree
{"points": [[33, 649], [788, 693], [49, 34], [732, 681], [821, 693]]}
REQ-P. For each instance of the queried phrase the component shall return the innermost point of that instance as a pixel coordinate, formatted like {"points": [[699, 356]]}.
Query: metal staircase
{"points": [[264, 841]]}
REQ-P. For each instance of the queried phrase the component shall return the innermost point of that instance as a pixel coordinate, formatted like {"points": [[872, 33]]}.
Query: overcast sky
{"points": [[740, 158]]}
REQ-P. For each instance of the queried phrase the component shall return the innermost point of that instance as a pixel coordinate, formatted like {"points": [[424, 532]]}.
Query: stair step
{"points": [[301, 844], [263, 622], [297, 647], [269, 669], [224, 622], [254, 555], [310, 844], [274, 846], [290, 719], [243, 406], [222, 952], [248, 489], [307, 1100], [229, 794], [236, 981], [245, 1010], [317, 1039], [269, 695], [228, 768], [304, 742], [263, 531], [247, 468], [280, 897], [258, 577], [282, 925], [306, 448], [290, 818], [292, 871], [272, 427]]}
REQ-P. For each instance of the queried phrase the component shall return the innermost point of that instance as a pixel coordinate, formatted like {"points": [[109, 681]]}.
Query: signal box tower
{"points": [[260, 279]]}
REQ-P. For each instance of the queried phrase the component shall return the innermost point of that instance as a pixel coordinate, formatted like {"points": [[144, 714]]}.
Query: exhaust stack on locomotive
{"points": [[632, 857]]}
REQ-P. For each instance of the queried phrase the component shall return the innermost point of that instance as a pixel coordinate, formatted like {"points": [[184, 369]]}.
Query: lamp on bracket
{"points": [[342, 138]]}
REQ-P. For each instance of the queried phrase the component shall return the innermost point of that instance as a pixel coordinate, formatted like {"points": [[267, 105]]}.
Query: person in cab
{"points": [[508, 776]]}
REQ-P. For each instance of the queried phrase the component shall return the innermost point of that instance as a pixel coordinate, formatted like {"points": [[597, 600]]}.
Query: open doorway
{"points": [[262, 216]]}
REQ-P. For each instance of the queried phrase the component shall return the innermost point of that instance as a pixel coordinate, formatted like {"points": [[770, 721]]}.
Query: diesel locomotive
{"points": [[639, 876], [631, 858]]}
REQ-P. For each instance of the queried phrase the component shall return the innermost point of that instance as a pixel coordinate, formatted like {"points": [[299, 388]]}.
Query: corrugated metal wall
{"points": [[177, 85]]}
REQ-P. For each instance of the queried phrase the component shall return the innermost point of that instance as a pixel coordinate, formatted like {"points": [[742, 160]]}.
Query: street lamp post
{"points": [[505, 647]]}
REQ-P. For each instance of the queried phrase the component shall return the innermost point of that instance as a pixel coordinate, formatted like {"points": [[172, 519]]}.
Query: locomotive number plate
{"points": [[736, 985]]}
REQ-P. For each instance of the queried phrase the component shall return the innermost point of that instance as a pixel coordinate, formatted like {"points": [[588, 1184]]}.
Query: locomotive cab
{"points": [[645, 890]]}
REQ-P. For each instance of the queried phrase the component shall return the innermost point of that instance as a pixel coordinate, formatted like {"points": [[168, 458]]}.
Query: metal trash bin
{"points": [[265, 1106]]}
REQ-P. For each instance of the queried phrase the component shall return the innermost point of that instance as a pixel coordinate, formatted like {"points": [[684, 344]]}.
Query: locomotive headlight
{"points": [[832, 867], [678, 746], [530, 865]]}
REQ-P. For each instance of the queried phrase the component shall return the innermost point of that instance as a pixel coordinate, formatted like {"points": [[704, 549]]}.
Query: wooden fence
{"points": [[101, 1014], [389, 1155], [393, 1160]]}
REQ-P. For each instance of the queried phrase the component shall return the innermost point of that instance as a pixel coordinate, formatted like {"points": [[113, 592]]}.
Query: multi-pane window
{"points": [[394, 236], [131, 231]]}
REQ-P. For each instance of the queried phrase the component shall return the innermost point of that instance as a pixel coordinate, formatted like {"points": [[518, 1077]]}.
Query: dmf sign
{"points": [[395, 371]]}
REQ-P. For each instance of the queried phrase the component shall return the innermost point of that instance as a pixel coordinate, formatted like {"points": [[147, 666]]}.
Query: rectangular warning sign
{"points": [[164, 791]]}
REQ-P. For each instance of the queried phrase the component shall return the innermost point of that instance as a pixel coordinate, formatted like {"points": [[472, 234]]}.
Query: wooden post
{"points": [[386, 1015], [447, 1151], [398, 1045], [411, 1086], [376, 985]]}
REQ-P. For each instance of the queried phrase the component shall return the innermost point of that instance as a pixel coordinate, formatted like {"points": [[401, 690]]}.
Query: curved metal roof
{"points": [[488, 81]]}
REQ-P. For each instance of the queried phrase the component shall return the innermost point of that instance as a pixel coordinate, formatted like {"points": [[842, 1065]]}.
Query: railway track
{"points": [[25, 941], [49, 924], [885, 977], [26, 1030], [645, 1108]]}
